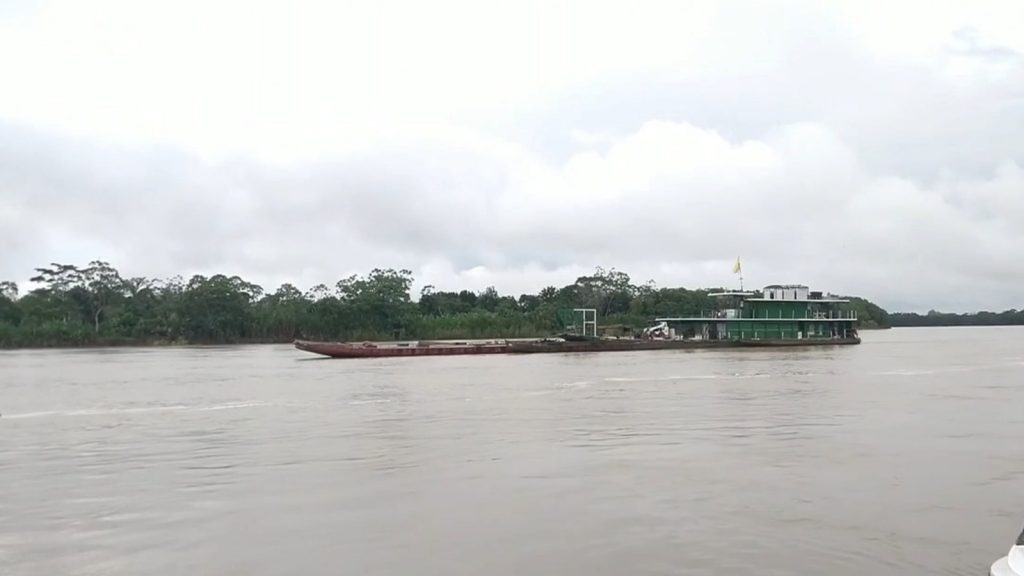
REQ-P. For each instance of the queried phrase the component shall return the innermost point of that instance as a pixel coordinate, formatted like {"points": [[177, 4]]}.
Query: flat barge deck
{"points": [[400, 349]]}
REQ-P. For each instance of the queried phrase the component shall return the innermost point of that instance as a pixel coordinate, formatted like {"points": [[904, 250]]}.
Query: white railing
{"points": [[705, 315]]}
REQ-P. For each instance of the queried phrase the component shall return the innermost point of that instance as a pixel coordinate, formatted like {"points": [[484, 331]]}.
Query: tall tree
{"points": [[218, 308], [607, 291], [9, 290], [380, 301], [105, 287], [9, 310], [59, 280]]}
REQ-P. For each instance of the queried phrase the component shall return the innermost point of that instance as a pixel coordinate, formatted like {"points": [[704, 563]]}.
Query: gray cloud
{"points": [[671, 201], [960, 114], [803, 151]]}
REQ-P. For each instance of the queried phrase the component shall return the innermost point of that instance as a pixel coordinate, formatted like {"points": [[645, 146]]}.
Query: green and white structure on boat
{"points": [[779, 313]]}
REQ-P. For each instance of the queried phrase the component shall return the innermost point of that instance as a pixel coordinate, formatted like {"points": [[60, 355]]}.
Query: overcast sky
{"points": [[870, 148]]}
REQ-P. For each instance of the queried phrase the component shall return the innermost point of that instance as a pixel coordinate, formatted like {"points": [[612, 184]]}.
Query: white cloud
{"points": [[521, 144], [670, 202]]}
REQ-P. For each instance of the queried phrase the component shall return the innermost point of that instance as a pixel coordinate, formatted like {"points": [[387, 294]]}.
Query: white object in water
{"points": [[1013, 563]]}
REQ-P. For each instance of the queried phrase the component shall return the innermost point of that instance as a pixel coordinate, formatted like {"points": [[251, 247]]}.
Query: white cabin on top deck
{"points": [[786, 292]]}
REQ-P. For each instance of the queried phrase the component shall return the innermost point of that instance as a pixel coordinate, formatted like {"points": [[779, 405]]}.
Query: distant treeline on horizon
{"points": [[96, 305], [934, 318]]}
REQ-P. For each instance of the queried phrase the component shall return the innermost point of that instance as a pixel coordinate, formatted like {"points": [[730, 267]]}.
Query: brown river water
{"points": [[904, 455]]}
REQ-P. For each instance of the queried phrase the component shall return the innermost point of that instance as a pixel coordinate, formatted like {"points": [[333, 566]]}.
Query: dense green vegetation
{"points": [[869, 314], [96, 305], [933, 318]]}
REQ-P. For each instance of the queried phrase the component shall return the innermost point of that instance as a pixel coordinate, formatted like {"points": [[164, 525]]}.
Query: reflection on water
{"points": [[899, 456]]}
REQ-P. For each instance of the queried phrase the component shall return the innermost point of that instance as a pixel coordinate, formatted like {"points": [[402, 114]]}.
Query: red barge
{"points": [[401, 349]]}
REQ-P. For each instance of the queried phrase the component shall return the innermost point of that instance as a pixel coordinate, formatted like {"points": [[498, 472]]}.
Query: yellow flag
{"points": [[736, 267]]}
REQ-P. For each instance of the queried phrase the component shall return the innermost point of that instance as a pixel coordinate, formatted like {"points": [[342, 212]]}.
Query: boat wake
{"points": [[234, 406], [736, 376], [931, 372], [132, 410]]}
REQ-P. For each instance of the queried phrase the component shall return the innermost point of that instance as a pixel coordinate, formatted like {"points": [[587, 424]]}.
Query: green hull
{"points": [[626, 345]]}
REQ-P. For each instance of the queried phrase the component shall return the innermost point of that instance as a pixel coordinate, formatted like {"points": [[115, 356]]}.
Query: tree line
{"points": [[934, 318], [96, 305]]}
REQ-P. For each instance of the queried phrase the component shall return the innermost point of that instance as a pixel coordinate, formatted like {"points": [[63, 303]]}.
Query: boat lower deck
{"points": [[625, 345]]}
